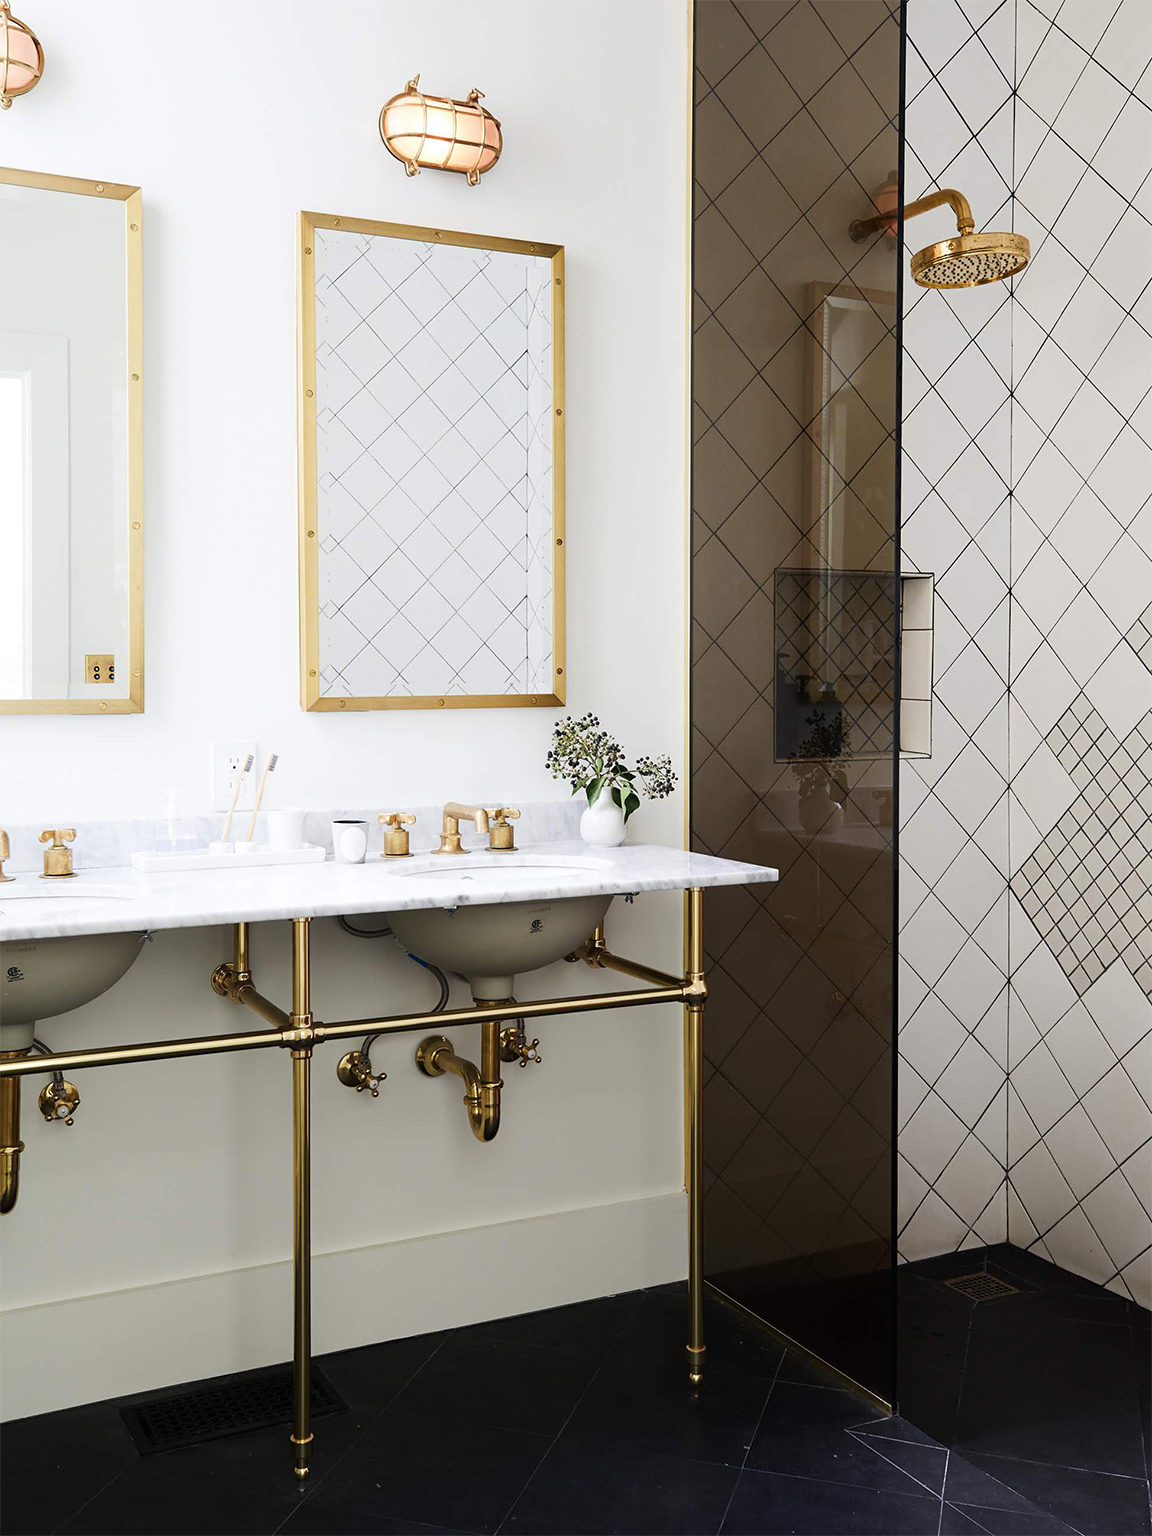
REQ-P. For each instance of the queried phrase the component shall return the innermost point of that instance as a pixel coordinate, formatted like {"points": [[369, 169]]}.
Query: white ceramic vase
{"points": [[602, 824]]}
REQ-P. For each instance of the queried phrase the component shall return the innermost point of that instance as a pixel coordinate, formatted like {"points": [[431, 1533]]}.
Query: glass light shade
{"points": [[21, 57], [440, 133]]}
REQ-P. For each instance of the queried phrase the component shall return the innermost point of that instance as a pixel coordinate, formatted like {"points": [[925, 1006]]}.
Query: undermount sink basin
{"points": [[40, 978], [491, 943]]}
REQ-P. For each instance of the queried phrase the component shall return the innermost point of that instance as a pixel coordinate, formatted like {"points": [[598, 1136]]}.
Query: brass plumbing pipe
{"points": [[212, 1045], [10, 1144], [482, 1084], [965, 223]]}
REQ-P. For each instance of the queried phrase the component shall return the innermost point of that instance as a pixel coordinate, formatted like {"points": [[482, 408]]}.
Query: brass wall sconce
{"points": [[439, 133], [21, 57], [968, 260]]}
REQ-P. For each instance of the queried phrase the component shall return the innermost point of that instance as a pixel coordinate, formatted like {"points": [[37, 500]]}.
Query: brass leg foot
{"points": [[300, 1452], [695, 1364]]}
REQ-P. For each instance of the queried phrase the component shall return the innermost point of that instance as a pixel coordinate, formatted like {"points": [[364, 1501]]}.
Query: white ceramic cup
{"points": [[349, 841], [285, 829]]}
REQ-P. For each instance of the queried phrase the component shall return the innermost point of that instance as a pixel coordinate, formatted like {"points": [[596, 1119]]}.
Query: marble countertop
{"points": [[119, 899]]}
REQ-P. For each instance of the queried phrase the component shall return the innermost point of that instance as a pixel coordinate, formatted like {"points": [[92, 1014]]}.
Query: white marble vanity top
{"points": [[115, 900]]}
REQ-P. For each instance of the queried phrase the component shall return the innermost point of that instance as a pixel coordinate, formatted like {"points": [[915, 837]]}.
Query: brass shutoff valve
{"points": [[514, 1046], [355, 1071], [59, 1101]]}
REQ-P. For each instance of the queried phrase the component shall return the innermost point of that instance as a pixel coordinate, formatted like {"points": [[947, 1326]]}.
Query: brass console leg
{"points": [[694, 1078], [301, 1206]]}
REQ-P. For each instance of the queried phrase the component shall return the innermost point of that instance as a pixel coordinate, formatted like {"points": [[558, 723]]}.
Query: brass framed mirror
{"points": [[71, 446], [431, 445]]}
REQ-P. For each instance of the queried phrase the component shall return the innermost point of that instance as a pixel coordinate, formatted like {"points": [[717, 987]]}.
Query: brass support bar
{"points": [[595, 952], [211, 1045], [123, 1055], [965, 223], [301, 1203], [694, 1079], [247, 994]]}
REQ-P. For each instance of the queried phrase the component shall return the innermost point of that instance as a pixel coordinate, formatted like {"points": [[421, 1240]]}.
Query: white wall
{"points": [[176, 1172]]}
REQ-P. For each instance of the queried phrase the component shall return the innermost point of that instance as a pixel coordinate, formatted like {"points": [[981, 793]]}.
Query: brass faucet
{"points": [[5, 853], [58, 859], [500, 834], [396, 824], [453, 814]]}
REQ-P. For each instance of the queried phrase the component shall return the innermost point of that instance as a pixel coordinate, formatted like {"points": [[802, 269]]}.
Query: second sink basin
{"points": [[490, 942]]}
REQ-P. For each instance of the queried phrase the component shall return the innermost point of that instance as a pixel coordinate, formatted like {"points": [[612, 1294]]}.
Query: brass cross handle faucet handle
{"points": [[355, 1071], [5, 853], [396, 824], [500, 834], [59, 1101], [58, 859], [514, 1046]]}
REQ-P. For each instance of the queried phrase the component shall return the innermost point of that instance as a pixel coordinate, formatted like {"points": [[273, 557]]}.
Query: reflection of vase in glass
{"points": [[820, 810]]}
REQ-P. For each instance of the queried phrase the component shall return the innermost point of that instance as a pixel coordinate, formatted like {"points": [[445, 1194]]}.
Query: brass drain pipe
{"points": [[435, 1056], [10, 1144]]}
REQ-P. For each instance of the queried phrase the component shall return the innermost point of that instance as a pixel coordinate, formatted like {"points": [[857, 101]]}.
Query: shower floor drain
{"points": [[258, 1400], [982, 1287]]}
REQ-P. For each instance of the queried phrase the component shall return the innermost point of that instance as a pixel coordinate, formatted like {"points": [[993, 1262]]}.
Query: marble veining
{"points": [[201, 898]]}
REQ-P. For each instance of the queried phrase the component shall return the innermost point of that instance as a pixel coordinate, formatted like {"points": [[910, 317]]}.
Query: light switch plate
{"points": [[227, 758], [99, 669]]}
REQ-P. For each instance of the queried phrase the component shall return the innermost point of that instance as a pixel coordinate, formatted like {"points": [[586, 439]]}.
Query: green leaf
{"points": [[631, 804], [592, 788]]}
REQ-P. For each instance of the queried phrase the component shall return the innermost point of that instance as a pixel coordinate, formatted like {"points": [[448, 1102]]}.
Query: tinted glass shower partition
{"points": [[794, 701]]}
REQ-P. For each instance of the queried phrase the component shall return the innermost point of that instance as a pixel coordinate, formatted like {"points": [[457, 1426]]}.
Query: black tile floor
{"points": [[1032, 1415]]}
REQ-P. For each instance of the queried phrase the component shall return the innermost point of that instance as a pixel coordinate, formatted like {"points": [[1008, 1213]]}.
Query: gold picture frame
{"points": [[313, 698], [133, 704]]}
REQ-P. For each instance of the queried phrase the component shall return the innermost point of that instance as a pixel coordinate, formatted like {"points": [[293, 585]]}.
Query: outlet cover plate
{"points": [[227, 758]]}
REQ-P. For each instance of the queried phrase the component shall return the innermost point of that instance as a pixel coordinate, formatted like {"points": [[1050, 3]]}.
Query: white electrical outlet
{"points": [[227, 760]]}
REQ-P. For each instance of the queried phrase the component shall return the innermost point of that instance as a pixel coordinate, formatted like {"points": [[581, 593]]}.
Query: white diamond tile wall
{"points": [[1061, 152], [1080, 1011], [957, 361], [434, 458]]}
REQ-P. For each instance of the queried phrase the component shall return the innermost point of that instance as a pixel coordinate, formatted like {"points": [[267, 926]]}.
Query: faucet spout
{"points": [[454, 814]]}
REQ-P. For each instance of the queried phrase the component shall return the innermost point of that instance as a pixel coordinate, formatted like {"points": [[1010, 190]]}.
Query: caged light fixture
{"points": [[21, 56], [440, 133]]}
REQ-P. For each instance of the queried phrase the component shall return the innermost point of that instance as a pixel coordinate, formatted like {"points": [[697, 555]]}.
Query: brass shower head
{"points": [[968, 259]]}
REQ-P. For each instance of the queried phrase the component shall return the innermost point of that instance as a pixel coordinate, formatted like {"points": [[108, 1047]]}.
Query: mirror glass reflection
{"points": [[66, 545]]}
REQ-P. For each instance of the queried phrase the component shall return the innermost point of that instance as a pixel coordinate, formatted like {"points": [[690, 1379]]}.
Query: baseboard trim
{"points": [[152, 1336]]}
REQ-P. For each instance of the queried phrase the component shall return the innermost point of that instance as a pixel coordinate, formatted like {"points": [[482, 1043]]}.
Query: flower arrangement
{"points": [[591, 760]]}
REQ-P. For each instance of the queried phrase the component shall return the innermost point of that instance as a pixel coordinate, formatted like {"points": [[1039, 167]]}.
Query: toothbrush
{"points": [[245, 766], [268, 767]]}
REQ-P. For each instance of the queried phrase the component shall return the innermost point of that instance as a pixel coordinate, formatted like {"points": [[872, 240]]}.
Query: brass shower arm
{"points": [[965, 223]]}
